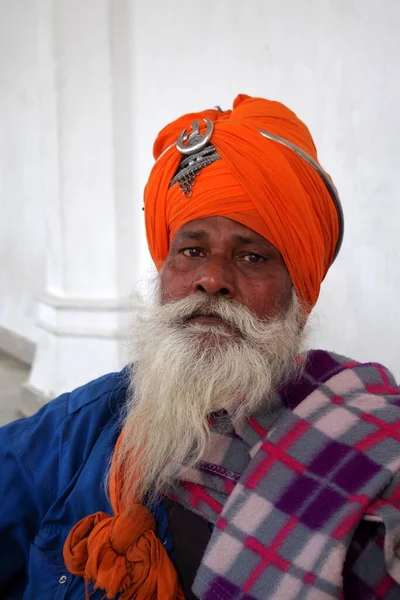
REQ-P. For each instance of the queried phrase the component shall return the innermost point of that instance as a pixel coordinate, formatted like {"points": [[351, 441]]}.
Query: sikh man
{"points": [[225, 462]]}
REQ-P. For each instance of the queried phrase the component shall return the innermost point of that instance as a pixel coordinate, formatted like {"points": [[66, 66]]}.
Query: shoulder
{"points": [[81, 413], [111, 388], [322, 366], [337, 376]]}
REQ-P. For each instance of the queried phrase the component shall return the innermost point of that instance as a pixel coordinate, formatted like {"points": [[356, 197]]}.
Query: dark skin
{"points": [[220, 257]]}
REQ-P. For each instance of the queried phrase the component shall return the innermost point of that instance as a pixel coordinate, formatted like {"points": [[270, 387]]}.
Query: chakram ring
{"points": [[195, 140]]}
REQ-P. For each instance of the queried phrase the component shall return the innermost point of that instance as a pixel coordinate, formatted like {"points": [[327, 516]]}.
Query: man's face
{"points": [[222, 258], [196, 353]]}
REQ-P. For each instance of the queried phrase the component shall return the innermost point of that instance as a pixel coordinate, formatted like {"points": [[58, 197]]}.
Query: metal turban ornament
{"points": [[197, 154]]}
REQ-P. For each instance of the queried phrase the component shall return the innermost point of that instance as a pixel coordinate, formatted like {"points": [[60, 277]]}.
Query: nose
{"points": [[215, 278]]}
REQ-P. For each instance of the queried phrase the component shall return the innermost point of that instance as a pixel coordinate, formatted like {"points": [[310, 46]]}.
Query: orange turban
{"points": [[257, 182]]}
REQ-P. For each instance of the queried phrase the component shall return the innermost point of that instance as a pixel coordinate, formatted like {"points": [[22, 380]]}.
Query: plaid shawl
{"points": [[306, 498]]}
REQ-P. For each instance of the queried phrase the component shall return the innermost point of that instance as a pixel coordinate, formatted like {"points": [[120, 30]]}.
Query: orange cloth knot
{"points": [[122, 554]]}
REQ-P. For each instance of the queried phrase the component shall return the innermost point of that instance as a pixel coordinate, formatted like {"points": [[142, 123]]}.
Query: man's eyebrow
{"points": [[195, 234], [243, 239]]}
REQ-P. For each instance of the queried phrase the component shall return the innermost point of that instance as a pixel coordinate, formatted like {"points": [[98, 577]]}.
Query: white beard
{"points": [[186, 371]]}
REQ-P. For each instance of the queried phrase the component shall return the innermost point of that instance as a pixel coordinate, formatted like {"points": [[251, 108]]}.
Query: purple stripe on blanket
{"points": [[356, 473], [320, 366], [296, 495], [222, 589], [219, 471], [322, 508], [329, 458], [292, 395]]}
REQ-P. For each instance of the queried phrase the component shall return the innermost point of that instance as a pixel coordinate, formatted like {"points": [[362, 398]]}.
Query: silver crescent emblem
{"points": [[194, 141]]}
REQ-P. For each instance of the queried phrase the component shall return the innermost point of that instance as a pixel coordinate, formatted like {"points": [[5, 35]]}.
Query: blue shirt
{"points": [[52, 468]]}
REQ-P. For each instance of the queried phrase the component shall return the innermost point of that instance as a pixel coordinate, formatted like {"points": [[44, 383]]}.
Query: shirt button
{"points": [[62, 579]]}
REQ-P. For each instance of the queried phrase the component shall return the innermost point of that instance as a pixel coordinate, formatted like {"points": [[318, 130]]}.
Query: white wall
{"points": [[337, 64], [22, 153]]}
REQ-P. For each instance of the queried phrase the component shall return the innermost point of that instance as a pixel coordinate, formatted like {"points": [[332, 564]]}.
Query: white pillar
{"points": [[87, 304]]}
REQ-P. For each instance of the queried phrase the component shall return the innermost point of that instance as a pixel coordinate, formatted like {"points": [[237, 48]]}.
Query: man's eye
{"points": [[192, 252], [254, 258]]}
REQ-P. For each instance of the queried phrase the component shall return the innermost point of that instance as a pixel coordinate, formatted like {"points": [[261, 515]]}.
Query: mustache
{"points": [[179, 312]]}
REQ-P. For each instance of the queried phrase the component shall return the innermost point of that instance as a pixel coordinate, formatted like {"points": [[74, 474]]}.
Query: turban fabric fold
{"points": [[258, 182]]}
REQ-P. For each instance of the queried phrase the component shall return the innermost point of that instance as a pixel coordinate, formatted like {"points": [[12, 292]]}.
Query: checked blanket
{"points": [[306, 497]]}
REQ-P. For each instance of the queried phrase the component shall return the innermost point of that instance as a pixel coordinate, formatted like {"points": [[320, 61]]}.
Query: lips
{"points": [[213, 321], [208, 320]]}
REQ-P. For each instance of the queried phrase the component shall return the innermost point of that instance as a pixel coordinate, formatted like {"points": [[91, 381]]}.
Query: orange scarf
{"points": [[121, 553]]}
